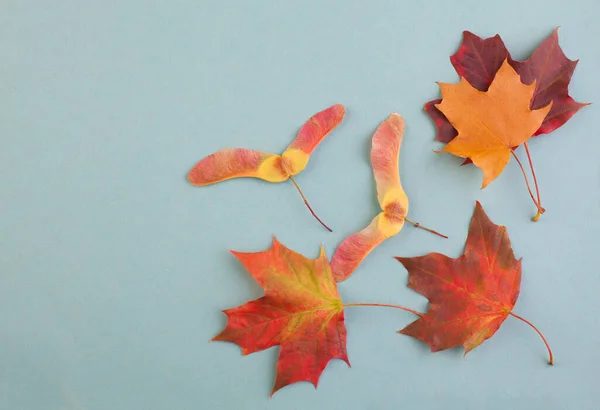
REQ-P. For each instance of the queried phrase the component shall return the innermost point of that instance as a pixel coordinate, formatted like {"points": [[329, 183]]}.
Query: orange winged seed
{"points": [[301, 312], [490, 122], [392, 199]]}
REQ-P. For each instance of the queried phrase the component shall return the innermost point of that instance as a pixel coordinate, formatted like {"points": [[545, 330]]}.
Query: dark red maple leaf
{"points": [[446, 132], [478, 60], [470, 296]]}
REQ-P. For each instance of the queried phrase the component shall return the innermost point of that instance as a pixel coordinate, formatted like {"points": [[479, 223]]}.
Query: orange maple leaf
{"points": [[490, 123], [301, 312]]}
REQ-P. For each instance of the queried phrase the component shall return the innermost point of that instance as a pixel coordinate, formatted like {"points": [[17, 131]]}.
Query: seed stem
{"points": [[418, 225], [550, 361], [307, 205]]}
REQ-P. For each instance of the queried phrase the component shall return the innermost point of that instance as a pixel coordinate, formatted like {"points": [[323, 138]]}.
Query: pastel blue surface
{"points": [[114, 269]]}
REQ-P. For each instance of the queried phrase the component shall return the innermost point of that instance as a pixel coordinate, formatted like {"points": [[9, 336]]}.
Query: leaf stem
{"points": [[540, 210], [418, 225], [307, 205], [385, 305], [551, 361], [537, 189]]}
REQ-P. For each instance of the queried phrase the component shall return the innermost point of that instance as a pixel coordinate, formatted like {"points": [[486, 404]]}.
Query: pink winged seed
{"points": [[317, 128], [227, 164]]}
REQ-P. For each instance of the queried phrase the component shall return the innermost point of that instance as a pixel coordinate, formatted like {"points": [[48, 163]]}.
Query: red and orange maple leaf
{"points": [[301, 312]]}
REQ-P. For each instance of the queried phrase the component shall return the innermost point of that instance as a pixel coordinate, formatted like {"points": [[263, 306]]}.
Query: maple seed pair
{"points": [[385, 153], [246, 163], [303, 313], [474, 118]]}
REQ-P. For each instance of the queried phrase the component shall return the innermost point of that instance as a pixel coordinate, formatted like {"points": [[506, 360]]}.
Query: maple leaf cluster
{"points": [[499, 104], [302, 312]]}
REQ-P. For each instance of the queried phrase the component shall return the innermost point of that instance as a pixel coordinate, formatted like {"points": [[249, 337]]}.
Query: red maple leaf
{"points": [[477, 60], [301, 312], [470, 296]]}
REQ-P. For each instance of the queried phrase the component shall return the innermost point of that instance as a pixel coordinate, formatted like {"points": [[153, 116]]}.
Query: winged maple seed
{"points": [[469, 297], [301, 312], [246, 163], [390, 195], [478, 60]]}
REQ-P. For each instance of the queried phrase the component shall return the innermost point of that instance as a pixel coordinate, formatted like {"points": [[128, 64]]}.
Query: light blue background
{"points": [[113, 269]]}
